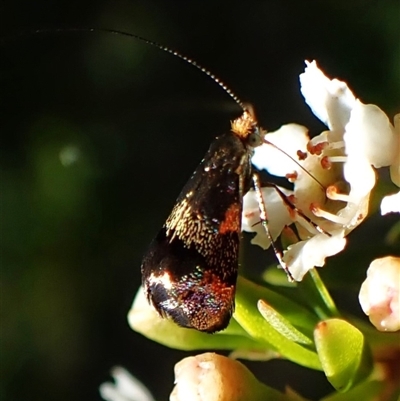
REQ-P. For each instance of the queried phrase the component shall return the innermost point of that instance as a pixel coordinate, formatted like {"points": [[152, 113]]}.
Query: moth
{"points": [[190, 268], [189, 271]]}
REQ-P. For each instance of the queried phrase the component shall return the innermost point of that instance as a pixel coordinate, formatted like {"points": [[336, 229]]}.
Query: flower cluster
{"points": [[332, 174]]}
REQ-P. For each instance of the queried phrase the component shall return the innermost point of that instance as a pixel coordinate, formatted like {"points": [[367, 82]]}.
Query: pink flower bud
{"points": [[379, 293], [212, 377]]}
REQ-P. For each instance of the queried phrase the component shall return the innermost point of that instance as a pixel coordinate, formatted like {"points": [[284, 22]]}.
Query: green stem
{"points": [[318, 296], [324, 294]]}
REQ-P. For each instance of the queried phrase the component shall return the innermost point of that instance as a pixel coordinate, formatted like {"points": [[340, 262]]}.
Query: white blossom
{"points": [[391, 204], [380, 293], [125, 388], [333, 174]]}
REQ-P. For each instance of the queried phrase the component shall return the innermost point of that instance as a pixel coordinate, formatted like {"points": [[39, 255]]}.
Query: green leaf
{"points": [[345, 356], [299, 316], [145, 320], [282, 325], [247, 315]]}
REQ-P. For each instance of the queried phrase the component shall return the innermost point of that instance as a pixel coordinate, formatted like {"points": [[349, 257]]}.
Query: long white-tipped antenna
{"points": [[155, 44], [188, 60]]}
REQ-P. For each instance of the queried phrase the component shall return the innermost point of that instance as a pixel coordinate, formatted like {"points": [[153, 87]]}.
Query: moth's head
{"points": [[247, 128]]}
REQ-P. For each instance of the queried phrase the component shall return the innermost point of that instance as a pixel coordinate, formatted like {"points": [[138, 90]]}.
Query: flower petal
{"points": [[278, 215], [360, 175], [371, 134], [126, 388], [390, 204], [291, 138], [304, 255], [330, 100]]}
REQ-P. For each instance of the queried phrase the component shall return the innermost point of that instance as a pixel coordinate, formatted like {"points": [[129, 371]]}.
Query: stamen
{"points": [[336, 145], [292, 177], [318, 212], [338, 159], [301, 155], [327, 161], [318, 148], [333, 193]]}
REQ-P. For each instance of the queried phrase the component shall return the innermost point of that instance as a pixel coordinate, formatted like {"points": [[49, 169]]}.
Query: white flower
{"points": [[391, 204], [126, 388], [333, 174], [380, 293]]}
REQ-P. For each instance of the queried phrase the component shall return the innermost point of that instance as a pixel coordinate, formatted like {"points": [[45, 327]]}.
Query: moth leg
{"points": [[264, 222]]}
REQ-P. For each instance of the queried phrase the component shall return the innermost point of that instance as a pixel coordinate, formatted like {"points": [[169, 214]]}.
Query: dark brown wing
{"points": [[189, 271]]}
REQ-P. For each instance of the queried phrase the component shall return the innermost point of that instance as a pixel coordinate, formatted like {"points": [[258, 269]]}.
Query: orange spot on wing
{"points": [[231, 222]]}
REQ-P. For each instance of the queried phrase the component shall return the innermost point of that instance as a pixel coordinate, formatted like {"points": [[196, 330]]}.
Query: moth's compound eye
{"points": [[254, 140]]}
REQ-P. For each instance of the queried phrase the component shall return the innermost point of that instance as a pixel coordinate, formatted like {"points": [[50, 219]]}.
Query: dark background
{"points": [[136, 122]]}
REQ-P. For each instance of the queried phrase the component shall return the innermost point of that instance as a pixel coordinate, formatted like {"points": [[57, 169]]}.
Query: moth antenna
{"points": [[159, 46]]}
